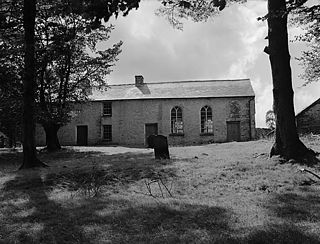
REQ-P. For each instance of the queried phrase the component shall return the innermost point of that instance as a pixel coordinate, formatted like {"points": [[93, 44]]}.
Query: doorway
{"points": [[233, 130], [82, 135]]}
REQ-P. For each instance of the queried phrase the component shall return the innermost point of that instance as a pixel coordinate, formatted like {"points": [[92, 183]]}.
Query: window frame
{"points": [[107, 109], [105, 133], [205, 117], [176, 116]]}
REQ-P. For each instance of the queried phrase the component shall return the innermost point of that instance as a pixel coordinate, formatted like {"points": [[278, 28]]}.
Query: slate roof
{"points": [[177, 89]]}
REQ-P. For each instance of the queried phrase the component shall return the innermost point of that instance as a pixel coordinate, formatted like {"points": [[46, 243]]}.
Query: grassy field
{"points": [[217, 193]]}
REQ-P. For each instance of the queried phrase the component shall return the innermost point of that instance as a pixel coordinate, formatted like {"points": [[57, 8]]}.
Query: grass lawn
{"points": [[217, 193]]}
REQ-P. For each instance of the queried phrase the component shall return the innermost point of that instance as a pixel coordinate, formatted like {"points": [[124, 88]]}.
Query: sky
{"points": [[228, 46]]}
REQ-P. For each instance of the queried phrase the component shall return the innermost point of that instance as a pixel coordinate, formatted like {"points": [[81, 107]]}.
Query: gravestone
{"points": [[160, 145]]}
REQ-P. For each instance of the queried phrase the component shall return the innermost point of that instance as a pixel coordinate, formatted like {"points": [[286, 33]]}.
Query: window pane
{"points": [[107, 108], [107, 132], [209, 113], [176, 121], [209, 126], [206, 123], [179, 113]]}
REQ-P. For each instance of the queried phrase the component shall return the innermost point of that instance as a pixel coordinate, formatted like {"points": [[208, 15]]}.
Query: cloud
{"points": [[252, 33], [159, 52]]}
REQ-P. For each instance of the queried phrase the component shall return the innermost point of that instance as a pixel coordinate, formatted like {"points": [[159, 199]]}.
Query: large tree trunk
{"points": [[287, 143], [12, 138], [52, 141], [30, 159]]}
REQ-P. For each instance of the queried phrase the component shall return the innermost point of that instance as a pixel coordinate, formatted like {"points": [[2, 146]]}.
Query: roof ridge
{"points": [[181, 81]]}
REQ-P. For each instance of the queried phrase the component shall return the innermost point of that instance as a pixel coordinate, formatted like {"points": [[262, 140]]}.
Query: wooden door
{"points": [[233, 130], [82, 135], [150, 129]]}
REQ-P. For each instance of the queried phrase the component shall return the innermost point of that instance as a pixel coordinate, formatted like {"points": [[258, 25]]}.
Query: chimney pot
{"points": [[139, 80]]}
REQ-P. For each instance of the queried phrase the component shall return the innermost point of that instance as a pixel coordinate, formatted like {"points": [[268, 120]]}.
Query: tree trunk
{"points": [[52, 141], [11, 138], [287, 143], [30, 159]]}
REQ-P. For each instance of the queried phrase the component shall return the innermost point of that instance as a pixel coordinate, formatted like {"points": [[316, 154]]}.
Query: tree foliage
{"points": [[68, 61], [308, 18], [175, 11], [10, 94], [18, 17], [69, 64], [11, 72]]}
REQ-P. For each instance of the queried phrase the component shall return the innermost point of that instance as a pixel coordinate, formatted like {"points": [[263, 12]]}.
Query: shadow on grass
{"points": [[120, 169], [70, 167], [300, 213], [278, 233], [39, 219], [153, 223], [296, 207], [10, 160], [118, 220]]}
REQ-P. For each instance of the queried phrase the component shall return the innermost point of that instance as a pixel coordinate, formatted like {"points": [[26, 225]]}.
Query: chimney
{"points": [[139, 80]]}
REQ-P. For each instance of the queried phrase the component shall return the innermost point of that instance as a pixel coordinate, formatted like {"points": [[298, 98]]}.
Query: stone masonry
{"points": [[129, 118]]}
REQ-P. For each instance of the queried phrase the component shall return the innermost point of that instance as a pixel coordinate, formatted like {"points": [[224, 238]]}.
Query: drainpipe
{"points": [[250, 131]]}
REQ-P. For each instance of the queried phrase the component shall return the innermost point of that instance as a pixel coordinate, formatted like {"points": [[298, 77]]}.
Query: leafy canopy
{"points": [[308, 18]]}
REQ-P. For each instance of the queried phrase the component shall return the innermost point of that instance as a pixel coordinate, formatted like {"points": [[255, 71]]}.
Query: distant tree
{"points": [[271, 120], [287, 143]]}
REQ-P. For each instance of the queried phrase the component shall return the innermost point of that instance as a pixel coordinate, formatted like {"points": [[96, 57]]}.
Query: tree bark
{"points": [[30, 159], [52, 140], [287, 143]]}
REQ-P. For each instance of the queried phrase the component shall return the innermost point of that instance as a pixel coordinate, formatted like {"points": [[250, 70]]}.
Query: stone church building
{"points": [[187, 112], [308, 120]]}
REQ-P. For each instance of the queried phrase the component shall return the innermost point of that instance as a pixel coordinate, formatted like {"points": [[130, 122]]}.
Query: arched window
{"points": [[176, 120], [206, 120]]}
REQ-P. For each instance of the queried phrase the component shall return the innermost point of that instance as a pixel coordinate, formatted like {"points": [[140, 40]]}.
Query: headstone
{"points": [[150, 140], [160, 145]]}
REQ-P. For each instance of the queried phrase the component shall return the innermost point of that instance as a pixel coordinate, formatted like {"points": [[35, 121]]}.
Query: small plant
{"points": [[90, 182], [160, 183], [161, 180]]}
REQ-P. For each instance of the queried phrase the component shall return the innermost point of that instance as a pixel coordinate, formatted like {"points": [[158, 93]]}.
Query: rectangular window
{"points": [[107, 109], [107, 132]]}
